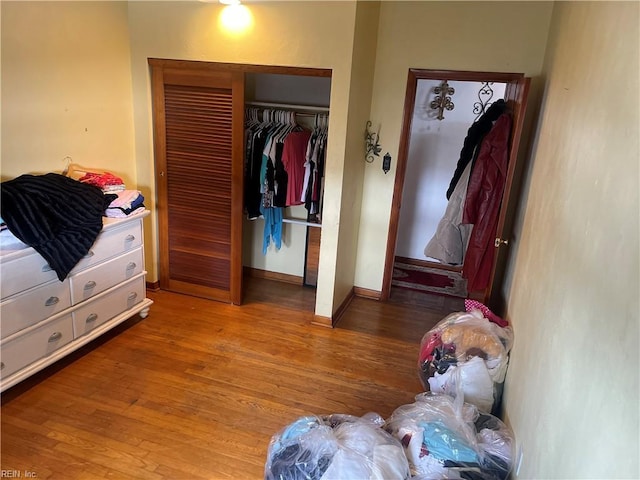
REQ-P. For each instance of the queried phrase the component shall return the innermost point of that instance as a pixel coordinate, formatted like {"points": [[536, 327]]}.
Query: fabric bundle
{"points": [[336, 447], [127, 203], [445, 438], [56, 215], [466, 355]]}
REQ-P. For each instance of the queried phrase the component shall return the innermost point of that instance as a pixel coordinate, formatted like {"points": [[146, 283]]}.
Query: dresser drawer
{"points": [[92, 281], [28, 308], [23, 273], [111, 243], [99, 310], [34, 345]]}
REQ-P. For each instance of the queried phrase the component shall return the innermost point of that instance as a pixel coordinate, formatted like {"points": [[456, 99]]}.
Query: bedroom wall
{"points": [[479, 36], [572, 388], [66, 88], [284, 34], [363, 64]]}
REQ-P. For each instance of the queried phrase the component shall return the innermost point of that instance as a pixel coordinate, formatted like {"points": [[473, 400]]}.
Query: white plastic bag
{"points": [[336, 447]]}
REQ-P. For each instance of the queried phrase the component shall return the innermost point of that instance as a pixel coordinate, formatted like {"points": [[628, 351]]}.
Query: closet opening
{"points": [[286, 121], [447, 116], [211, 221]]}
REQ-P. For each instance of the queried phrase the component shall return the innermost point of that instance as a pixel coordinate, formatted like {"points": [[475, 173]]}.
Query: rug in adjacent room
{"points": [[427, 279]]}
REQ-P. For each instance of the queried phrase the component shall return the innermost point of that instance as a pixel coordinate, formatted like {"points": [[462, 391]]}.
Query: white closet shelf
{"points": [[295, 221]]}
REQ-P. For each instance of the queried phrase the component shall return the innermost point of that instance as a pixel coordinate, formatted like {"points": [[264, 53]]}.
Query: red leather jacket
{"points": [[482, 204]]}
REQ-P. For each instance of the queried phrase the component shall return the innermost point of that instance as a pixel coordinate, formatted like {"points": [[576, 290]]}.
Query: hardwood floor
{"points": [[197, 389]]}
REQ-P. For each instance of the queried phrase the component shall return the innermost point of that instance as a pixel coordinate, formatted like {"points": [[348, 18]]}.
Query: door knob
{"points": [[500, 241]]}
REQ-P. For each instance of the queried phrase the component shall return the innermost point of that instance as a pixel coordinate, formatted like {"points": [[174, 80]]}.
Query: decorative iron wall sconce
{"points": [[371, 143], [443, 99], [386, 163]]}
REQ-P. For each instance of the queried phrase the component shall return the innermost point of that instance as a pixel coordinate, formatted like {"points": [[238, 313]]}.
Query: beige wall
{"points": [[480, 36], [284, 34], [66, 88], [359, 104], [572, 386]]}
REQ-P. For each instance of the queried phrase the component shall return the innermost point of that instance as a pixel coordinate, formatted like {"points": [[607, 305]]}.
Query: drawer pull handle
{"points": [[47, 268], [92, 318], [89, 254], [131, 265], [51, 301], [55, 336], [129, 238], [89, 285], [132, 296]]}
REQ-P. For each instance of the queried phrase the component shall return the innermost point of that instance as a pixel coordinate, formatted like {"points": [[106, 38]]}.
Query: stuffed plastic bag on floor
{"points": [[444, 438], [467, 354], [336, 447]]}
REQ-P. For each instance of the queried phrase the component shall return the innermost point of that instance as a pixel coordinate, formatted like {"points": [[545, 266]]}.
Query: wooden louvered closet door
{"points": [[198, 127]]}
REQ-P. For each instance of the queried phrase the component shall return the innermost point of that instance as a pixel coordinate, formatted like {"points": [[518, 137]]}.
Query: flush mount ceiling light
{"points": [[230, 2]]}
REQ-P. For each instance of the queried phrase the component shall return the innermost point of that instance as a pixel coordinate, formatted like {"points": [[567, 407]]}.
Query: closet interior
{"points": [[286, 120]]}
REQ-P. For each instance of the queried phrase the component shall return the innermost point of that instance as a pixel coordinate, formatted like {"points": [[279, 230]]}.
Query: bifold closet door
{"points": [[198, 128]]}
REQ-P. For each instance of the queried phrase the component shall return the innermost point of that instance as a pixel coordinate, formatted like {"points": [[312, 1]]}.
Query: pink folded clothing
{"points": [[125, 199], [470, 305]]}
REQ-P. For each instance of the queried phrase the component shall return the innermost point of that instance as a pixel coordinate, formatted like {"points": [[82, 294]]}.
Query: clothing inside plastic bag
{"points": [[444, 438], [466, 354], [336, 447]]}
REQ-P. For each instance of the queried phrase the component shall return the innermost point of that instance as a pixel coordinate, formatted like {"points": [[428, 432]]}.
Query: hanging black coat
{"points": [[474, 137]]}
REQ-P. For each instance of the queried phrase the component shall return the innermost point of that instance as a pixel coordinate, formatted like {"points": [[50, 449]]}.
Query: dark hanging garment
{"points": [[475, 134], [252, 195], [56, 215], [482, 204]]}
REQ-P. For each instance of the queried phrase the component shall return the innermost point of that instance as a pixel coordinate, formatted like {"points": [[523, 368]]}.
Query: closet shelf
{"points": [[295, 221], [301, 222]]}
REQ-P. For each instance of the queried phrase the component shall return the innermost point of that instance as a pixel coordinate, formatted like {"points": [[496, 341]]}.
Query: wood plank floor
{"points": [[197, 389]]}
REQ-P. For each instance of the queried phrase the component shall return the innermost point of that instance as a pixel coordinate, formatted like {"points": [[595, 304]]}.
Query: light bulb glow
{"points": [[236, 19]]}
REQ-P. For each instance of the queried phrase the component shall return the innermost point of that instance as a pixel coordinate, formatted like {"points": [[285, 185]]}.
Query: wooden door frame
{"points": [[403, 152]]}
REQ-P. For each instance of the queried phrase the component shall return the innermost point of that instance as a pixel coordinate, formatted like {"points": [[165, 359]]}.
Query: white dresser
{"points": [[43, 319]]}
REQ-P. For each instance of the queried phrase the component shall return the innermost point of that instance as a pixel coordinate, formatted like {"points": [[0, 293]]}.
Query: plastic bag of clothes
{"points": [[445, 438], [466, 354], [336, 447]]}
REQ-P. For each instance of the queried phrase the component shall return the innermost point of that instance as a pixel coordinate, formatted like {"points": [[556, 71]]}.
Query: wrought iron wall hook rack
{"points": [[443, 99]]}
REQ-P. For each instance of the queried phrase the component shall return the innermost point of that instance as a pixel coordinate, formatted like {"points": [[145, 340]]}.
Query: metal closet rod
{"points": [[306, 108]]}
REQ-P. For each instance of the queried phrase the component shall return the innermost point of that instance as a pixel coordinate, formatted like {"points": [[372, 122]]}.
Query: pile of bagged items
{"points": [[449, 432], [334, 447], [444, 438], [466, 354]]}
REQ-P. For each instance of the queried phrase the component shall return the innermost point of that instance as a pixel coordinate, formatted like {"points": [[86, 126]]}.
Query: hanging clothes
{"points": [[449, 243], [470, 148], [482, 203], [284, 166], [293, 160]]}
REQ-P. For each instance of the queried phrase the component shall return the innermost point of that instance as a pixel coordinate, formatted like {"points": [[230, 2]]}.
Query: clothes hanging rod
{"points": [[308, 108]]}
